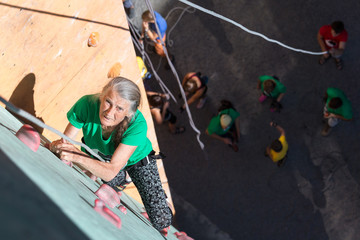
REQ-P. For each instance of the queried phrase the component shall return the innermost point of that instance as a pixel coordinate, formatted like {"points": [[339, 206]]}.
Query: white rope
{"points": [[192, 124], [140, 47], [36, 121], [171, 42], [247, 30]]}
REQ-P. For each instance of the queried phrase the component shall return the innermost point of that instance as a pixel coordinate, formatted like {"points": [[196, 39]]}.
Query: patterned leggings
{"points": [[148, 183]]}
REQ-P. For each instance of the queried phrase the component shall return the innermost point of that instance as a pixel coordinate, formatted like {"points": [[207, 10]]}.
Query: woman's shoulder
{"points": [[89, 99], [138, 118]]}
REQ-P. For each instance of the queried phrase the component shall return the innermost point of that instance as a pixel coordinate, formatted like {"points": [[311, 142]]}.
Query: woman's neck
{"points": [[106, 131]]}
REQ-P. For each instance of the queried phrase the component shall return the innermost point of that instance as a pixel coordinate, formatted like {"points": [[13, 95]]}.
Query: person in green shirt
{"points": [[116, 130], [271, 87], [225, 126], [337, 107]]}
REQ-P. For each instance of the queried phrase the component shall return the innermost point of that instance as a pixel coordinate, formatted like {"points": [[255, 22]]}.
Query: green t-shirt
{"points": [[279, 87], [215, 126], [85, 114], [345, 110]]}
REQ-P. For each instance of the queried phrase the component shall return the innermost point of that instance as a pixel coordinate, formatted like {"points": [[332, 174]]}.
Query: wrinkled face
{"points": [[113, 109]]}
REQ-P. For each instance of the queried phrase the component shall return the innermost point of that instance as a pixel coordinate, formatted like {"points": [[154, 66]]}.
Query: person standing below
{"points": [[159, 107], [332, 40], [129, 8], [225, 126], [149, 29], [113, 127], [278, 149], [271, 87], [337, 107], [195, 88]]}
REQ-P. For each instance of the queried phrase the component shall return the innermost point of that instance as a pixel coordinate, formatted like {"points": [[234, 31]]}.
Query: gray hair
{"points": [[128, 91]]}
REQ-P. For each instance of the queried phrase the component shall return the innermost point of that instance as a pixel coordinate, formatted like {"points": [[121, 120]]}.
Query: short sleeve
{"points": [[135, 135], [281, 87], [323, 30], [77, 115]]}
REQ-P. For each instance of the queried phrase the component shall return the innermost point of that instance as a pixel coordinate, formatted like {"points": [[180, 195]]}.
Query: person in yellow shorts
{"points": [[278, 149]]}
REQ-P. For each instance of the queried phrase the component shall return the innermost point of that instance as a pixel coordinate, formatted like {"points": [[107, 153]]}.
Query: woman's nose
{"points": [[110, 110]]}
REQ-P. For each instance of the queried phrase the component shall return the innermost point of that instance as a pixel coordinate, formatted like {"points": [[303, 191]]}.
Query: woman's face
{"points": [[113, 109]]}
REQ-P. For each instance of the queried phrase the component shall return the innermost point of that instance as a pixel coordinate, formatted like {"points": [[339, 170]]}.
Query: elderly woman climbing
{"points": [[113, 127]]}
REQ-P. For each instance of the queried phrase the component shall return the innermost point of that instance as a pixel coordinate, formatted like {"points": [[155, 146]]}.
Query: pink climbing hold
{"points": [[70, 164], [29, 136], [119, 194], [164, 231], [182, 236], [108, 195], [107, 213], [145, 215], [123, 209]]}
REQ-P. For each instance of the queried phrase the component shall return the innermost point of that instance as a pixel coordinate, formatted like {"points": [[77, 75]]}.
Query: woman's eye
{"points": [[119, 109]]}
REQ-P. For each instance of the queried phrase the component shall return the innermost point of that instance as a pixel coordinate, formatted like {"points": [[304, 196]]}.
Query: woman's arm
{"points": [[280, 129], [333, 115], [70, 131], [258, 86], [237, 125], [186, 78], [223, 139], [103, 170], [196, 96], [155, 112], [281, 95]]}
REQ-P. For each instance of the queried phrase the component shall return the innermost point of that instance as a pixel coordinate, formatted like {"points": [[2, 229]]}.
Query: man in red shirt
{"points": [[332, 39]]}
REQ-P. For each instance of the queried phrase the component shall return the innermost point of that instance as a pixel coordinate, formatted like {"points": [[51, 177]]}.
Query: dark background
{"points": [[220, 194]]}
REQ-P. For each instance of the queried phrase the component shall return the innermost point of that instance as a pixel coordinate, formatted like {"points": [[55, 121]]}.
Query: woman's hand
{"points": [[145, 26], [227, 141], [53, 145], [68, 152]]}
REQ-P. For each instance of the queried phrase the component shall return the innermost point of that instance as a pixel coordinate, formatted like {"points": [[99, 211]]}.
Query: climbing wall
{"points": [[46, 62]]}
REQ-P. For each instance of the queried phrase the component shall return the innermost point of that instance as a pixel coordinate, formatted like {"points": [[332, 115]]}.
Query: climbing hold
{"points": [[164, 232], [119, 194], [145, 215], [70, 164], [29, 136], [107, 213], [182, 236], [123, 209], [94, 39], [108, 195], [114, 71]]}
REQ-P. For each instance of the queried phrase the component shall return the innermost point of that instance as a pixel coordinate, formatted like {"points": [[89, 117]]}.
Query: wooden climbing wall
{"points": [[46, 64]]}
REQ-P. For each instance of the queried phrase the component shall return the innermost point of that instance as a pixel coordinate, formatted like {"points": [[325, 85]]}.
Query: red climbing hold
{"points": [[108, 195], [29, 136], [123, 209], [107, 213], [182, 236], [145, 215], [164, 232]]}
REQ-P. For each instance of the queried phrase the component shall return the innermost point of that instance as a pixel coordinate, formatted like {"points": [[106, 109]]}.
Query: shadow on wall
{"points": [[23, 97]]}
